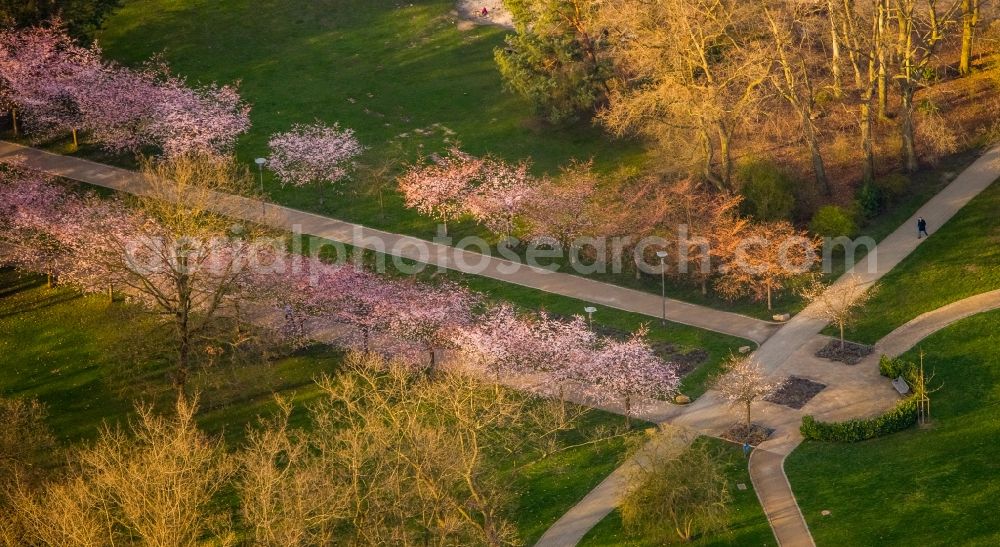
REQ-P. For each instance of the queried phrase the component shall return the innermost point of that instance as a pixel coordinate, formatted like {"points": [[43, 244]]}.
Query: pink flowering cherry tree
{"points": [[440, 190], [503, 192], [623, 371], [205, 120], [501, 342], [35, 215], [313, 154], [355, 297], [429, 316], [562, 210], [43, 74], [120, 107]]}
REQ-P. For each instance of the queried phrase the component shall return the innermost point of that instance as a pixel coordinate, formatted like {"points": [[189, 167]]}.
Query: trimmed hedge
{"points": [[900, 417], [894, 368]]}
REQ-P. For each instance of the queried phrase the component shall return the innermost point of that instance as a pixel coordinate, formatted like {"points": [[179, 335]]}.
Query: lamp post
{"points": [[260, 169], [590, 316], [663, 282]]}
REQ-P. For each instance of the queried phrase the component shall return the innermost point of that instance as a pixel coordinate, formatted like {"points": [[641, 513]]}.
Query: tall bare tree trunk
{"points": [[725, 150], [819, 168], [883, 77], [906, 129], [183, 324], [708, 159], [835, 70], [868, 168], [13, 119], [970, 19]]}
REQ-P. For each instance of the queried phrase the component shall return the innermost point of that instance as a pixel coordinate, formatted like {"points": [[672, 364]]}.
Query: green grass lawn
{"points": [[382, 67], [961, 259], [76, 354], [747, 524], [928, 486]]}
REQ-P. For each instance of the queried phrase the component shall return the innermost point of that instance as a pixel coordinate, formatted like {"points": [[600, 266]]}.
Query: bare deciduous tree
{"points": [[676, 496], [154, 484], [180, 256], [395, 457], [743, 384], [838, 302], [26, 447], [794, 44], [688, 70], [970, 22], [861, 31]]}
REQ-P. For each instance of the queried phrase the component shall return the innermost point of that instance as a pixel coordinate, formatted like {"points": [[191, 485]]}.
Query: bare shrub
{"points": [[153, 484], [935, 137], [676, 496], [394, 457]]}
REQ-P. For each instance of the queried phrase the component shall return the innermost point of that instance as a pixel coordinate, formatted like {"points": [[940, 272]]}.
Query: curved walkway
{"points": [[790, 351], [420, 250], [910, 334]]}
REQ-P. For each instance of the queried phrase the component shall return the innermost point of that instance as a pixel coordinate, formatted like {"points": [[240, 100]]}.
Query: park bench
{"points": [[901, 386]]}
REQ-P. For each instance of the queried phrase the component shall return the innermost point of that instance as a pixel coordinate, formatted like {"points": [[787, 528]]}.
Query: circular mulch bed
{"points": [[850, 354]]}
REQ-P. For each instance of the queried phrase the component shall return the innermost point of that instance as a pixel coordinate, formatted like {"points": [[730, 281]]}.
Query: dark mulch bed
{"points": [[795, 392], [852, 353], [738, 433], [686, 362]]}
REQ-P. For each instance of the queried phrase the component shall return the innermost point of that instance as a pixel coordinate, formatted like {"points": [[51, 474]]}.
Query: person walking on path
{"points": [[922, 227]]}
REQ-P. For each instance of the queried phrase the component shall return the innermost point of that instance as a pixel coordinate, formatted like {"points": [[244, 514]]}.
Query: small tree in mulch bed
{"points": [[743, 383], [839, 302]]}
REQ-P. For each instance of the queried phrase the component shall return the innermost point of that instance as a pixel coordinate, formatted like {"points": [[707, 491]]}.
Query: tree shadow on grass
{"points": [[34, 305], [14, 282]]}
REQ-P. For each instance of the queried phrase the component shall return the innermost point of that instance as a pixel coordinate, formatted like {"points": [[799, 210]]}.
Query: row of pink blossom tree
{"points": [[52, 86], [489, 190], [98, 244]]}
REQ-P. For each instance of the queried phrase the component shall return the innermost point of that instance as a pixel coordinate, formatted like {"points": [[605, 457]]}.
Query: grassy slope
{"points": [[66, 351], [931, 486], [405, 66], [960, 259], [747, 524]]}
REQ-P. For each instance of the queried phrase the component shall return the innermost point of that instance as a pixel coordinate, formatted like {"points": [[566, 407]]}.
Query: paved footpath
{"points": [[776, 354], [909, 335], [790, 351], [424, 251], [780, 355]]}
